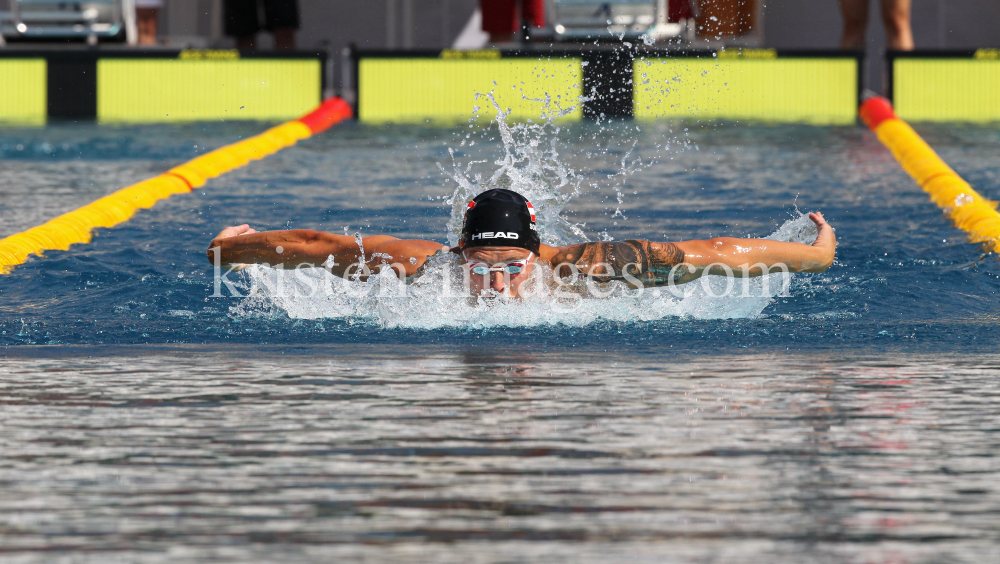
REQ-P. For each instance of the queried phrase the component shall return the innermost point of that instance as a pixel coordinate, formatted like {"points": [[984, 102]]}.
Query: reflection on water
{"points": [[344, 451]]}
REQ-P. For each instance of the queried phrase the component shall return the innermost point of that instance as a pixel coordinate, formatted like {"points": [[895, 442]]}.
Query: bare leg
{"points": [[146, 22], [855, 13], [896, 16], [246, 42], [284, 39]]}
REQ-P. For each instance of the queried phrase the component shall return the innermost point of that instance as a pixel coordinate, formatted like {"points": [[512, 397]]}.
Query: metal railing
{"points": [[62, 19], [596, 19]]}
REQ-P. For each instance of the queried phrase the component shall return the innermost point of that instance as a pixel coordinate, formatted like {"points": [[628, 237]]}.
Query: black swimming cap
{"points": [[500, 218]]}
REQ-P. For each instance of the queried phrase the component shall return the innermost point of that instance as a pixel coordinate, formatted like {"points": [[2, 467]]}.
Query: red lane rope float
{"points": [[971, 213], [77, 226]]}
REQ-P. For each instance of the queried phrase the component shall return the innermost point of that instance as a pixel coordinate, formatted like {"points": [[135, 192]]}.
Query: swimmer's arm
{"points": [[305, 247], [291, 248], [643, 264], [756, 257]]}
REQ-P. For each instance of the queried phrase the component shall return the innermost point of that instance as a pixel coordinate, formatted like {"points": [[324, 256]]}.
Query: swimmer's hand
{"points": [[826, 242], [235, 231]]}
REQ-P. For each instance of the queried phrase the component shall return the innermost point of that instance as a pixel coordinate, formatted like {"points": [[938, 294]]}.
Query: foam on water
{"points": [[530, 165], [435, 298]]}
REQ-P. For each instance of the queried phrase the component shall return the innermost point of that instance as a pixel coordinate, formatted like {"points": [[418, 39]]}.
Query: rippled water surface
{"points": [[447, 455], [850, 418]]}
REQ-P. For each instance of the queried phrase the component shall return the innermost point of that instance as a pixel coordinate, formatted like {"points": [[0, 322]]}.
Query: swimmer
{"points": [[500, 247]]}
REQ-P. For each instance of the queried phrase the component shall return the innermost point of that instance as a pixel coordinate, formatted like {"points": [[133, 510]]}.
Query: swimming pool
{"points": [[849, 419]]}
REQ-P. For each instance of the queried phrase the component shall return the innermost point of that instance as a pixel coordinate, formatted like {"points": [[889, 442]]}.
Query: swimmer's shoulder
{"points": [[411, 254], [548, 252], [568, 253]]}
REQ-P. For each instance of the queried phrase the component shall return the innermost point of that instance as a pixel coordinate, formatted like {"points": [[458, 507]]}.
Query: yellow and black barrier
{"points": [[442, 86], [972, 213], [137, 86], [77, 226], [645, 83], [948, 86], [819, 87]]}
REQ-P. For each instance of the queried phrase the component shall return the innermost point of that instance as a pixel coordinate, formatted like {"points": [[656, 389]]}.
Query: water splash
{"points": [[530, 166]]}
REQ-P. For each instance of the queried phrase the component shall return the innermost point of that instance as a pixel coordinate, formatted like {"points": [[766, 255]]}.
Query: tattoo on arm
{"points": [[652, 265]]}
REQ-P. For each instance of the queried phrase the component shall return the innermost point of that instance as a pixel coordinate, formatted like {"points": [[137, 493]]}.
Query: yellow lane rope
{"points": [[76, 226], [972, 213]]}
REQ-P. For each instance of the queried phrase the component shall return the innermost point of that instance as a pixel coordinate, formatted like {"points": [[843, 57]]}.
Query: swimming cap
{"points": [[500, 218]]}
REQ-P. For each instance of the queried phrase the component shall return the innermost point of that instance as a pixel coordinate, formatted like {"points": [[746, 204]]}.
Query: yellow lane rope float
{"points": [[972, 213], [76, 226]]}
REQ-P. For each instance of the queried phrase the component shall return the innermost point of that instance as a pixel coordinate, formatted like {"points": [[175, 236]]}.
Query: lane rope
{"points": [[971, 212], [118, 207]]}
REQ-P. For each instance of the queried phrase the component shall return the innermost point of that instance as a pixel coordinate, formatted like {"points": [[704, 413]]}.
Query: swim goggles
{"points": [[512, 268]]}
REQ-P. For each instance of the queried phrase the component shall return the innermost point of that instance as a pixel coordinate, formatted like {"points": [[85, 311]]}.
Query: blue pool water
{"points": [[905, 279], [851, 418]]}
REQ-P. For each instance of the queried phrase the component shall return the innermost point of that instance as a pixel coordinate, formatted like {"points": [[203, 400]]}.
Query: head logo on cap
{"points": [[500, 218]]}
